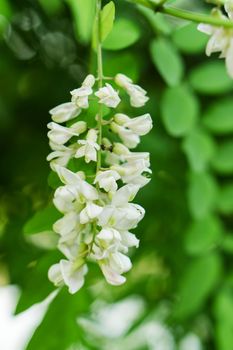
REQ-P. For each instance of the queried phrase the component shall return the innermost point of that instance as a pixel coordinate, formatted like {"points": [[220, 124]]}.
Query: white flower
{"points": [[69, 273], [120, 214], [140, 125], [61, 155], [137, 95], [64, 197], [132, 171], [60, 134], [80, 96], [108, 96], [129, 138], [89, 147], [112, 268], [90, 212], [107, 180], [64, 112], [221, 39], [66, 224], [129, 239]]}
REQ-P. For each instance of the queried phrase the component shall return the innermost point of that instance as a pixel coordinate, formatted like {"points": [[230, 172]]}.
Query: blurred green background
{"points": [[179, 294]]}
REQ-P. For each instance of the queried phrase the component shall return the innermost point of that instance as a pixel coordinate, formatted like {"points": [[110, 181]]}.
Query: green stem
{"points": [[196, 17], [184, 14], [100, 78]]}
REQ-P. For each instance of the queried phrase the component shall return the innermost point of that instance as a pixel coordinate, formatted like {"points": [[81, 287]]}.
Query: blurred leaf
{"points": [[107, 19], [83, 14], [157, 20], [219, 116], [167, 60], [124, 34], [5, 9], [223, 160], [35, 284], [223, 310], [51, 6], [126, 62], [227, 243], [203, 235], [179, 110], [59, 329], [42, 220], [211, 78], [199, 149], [198, 282], [225, 199], [189, 40], [202, 195]]}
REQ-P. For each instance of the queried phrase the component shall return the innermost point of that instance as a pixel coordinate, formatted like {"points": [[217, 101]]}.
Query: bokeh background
{"points": [[179, 294]]}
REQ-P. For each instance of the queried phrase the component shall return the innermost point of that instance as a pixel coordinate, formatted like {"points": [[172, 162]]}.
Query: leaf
{"points": [[167, 60], [219, 117], [202, 195], [210, 78], [199, 148], [196, 285], [223, 310], [59, 328], [225, 199], [189, 40], [107, 19], [179, 110], [157, 20], [83, 13], [35, 284], [223, 160], [131, 64], [203, 235], [227, 243], [42, 220], [124, 34], [51, 7]]}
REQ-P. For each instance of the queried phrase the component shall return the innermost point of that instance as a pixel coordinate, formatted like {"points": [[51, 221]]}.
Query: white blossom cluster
{"points": [[97, 209], [221, 39]]}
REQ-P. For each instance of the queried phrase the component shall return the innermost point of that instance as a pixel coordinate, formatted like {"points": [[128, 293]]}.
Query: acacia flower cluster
{"points": [[221, 39], [96, 200]]}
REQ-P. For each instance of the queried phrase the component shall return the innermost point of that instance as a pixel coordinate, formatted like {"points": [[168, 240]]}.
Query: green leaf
{"points": [[158, 21], [83, 13], [179, 110], [203, 235], [107, 19], [223, 310], [202, 194], [59, 328], [199, 148], [124, 34], [223, 160], [35, 283], [189, 40], [225, 199], [42, 220], [219, 117], [167, 60], [210, 78], [51, 7], [227, 243], [130, 63], [198, 282]]}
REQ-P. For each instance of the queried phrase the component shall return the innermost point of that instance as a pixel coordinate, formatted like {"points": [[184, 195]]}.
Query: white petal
{"points": [[111, 276], [55, 276], [64, 112], [125, 194]]}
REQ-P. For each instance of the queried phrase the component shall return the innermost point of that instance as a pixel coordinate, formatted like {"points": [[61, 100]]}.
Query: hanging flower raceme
{"points": [[221, 39], [96, 199]]}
